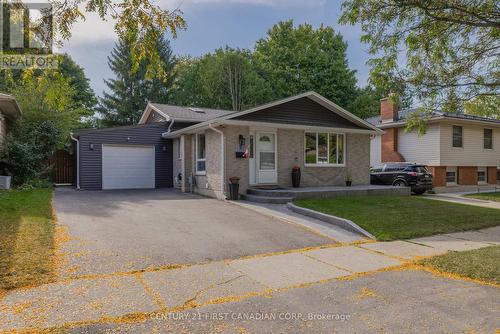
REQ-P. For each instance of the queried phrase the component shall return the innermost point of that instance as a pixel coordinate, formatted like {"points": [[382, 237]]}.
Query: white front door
{"points": [[265, 149]]}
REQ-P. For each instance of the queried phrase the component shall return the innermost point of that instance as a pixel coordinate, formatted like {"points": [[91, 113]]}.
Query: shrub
{"points": [[24, 153]]}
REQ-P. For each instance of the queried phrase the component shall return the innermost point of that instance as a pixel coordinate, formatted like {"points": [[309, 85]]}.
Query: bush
{"points": [[24, 154]]}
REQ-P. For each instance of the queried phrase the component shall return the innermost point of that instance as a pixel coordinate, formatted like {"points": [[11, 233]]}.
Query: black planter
{"points": [[348, 183], [296, 178], [234, 188]]}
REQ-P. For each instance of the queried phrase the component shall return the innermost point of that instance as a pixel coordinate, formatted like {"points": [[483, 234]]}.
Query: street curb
{"points": [[341, 222]]}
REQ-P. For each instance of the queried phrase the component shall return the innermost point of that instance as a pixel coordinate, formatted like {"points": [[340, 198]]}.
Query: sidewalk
{"points": [[458, 198], [136, 295]]}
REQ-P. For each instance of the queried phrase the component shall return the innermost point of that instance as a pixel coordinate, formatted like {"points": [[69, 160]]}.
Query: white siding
{"points": [[375, 150], [420, 149], [472, 153]]}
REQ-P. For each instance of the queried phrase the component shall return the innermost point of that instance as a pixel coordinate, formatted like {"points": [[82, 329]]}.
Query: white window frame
{"points": [[200, 172], [485, 171], [452, 135], [328, 149], [451, 170], [492, 139]]}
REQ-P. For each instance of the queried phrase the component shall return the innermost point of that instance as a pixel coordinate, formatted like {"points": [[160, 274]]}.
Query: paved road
{"points": [[387, 302], [116, 231]]}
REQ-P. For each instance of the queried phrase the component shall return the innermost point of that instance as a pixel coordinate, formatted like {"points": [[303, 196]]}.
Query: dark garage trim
{"points": [[148, 134]]}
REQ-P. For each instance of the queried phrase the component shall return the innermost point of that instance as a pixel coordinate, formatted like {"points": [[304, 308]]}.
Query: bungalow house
{"points": [[460, 150], [9, 111], [199, 149]]}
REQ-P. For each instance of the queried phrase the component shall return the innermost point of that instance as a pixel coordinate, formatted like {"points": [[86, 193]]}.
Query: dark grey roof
{"points": [[190, 113], [403, 114]]}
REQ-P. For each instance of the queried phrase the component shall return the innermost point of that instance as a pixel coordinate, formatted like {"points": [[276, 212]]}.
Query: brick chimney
{"points": [[388, 110], [389, 113]]}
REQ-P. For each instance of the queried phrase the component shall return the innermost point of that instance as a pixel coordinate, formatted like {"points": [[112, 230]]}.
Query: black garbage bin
{"points": [[234, 188]]}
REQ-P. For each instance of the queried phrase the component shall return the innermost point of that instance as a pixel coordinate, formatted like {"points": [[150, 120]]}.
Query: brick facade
{"points": [[438, 176], [492, 175], [467, 175], [388, 110], [389, 144], [290, 145]]}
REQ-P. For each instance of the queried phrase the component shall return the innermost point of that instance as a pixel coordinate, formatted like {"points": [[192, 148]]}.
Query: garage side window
{"points": [[201, 157]]}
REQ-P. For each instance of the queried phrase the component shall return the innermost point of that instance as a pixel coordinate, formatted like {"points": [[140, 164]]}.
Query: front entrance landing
{"points": [[283, 195]]}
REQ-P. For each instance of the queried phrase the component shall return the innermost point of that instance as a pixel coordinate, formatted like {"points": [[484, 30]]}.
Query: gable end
{"points": [[301, 111]]}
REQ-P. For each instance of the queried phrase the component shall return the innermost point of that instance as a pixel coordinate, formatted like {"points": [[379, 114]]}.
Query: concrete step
{"points": [[269, 193], [266, 199]]}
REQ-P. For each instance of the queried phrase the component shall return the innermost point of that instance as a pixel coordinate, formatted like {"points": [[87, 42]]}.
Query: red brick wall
{"points": [[389, 144], [492, 175], [388, 110], [438, 175], [467, 175]]}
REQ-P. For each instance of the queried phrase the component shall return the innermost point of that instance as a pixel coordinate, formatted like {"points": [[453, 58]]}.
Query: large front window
{"points": [[201, 158], [323, 148]]}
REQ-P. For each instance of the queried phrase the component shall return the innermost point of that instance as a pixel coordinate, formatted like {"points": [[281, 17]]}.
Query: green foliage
{"points": [[131, 90], [443, 52], [484, 106], [225, 79], [23, 156], [297, 59], [47, 97]]}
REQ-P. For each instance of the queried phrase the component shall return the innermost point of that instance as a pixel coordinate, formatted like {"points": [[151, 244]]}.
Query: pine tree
{"points": [[130, 90]]}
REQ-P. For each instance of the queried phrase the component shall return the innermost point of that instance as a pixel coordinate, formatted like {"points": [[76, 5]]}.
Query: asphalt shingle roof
{"points": [[191, 113], [375, 120]]}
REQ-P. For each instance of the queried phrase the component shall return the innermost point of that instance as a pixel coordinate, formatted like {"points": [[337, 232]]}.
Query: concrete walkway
{"points": [[458, 198], [281, 211], [136, 295]]}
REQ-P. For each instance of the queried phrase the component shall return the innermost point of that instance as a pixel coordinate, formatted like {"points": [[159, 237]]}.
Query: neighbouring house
{"points": [[199, 149], [9, 112], [459, 149]]}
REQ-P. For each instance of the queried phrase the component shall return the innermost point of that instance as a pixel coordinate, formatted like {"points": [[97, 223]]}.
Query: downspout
{"points": [[77, 160], [170, 126], [222, 159]]}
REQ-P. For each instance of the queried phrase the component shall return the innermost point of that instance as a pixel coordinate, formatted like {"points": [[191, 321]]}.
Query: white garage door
{"points": [[128, 167]]}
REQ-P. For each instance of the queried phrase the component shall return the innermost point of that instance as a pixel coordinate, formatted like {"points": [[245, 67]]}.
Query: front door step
{"points": [[266, 199]]}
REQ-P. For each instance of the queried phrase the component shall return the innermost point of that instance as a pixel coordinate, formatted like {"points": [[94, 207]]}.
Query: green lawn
{"points": [[486, 196], [26, 238], [482, 264], [402, 217]]}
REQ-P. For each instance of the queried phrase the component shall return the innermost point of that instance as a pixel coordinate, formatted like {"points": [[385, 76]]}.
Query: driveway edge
{"points": [[341, 222]]}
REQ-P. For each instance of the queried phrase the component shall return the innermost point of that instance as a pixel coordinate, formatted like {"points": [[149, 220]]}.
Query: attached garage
{"points": [[130, 157], [128, 167]]}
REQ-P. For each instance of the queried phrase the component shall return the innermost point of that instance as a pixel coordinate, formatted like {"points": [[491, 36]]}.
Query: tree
{"points": [[484, 106], [298, 59], [51, 110], [131, 90], [141, 21], [225, 79], [84, 95], [445, 51]]}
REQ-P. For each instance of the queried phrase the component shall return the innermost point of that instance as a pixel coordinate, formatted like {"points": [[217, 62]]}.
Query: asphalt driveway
{"points": [[122, 231]]}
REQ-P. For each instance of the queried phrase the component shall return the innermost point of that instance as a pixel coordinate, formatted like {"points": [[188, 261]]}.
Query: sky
{"points": [[215, 23]]}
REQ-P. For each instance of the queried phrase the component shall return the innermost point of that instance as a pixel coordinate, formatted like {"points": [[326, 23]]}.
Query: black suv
{"points": [[403, 175]]}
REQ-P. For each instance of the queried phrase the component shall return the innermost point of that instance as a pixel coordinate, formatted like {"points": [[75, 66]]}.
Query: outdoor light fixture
{"points": [[91, 146], [164, 148]]}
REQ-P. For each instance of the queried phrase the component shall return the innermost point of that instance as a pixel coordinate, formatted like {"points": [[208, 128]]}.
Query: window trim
{"points": [[329, 133], [492, 140], [482, 170], [451, 170], [200, 172], [452, 137]]}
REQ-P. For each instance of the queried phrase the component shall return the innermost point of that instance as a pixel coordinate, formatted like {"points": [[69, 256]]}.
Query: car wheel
{"points": [[399, 184]]}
